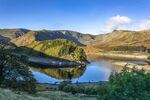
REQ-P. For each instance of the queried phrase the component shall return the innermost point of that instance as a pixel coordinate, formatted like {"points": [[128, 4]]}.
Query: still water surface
{"points": [[93, 72], [97, 70]]}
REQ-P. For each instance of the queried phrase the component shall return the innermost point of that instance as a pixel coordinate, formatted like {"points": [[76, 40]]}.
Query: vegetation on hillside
{"points": [[60, 48], [76, 89], [42, 35], [13, 33], [120, 38], [14, 72], [127, 85], [131, 48], [6, 94]]}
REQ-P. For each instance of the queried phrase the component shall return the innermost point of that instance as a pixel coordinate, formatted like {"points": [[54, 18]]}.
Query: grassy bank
{"points": [[6, 94], [49, 92]]}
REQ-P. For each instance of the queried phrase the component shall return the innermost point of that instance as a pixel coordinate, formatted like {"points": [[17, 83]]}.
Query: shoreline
{"points": [[48, 62], [127, 56], [116, 56]]}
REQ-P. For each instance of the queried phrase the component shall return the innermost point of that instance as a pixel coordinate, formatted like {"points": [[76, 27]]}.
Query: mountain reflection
{"points": [[64, 73]]}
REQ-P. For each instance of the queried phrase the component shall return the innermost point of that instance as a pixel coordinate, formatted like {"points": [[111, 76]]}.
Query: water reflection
{"points": [[96, 71], [93, 72], [99, 69], [59, 73]]}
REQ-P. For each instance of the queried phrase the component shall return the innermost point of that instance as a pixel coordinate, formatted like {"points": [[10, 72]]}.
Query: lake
{"points": [[97, 70]]}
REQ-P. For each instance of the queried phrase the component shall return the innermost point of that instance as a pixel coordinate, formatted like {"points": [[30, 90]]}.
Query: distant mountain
{"points": [[121, 38], [41, 35], [22, 37]]}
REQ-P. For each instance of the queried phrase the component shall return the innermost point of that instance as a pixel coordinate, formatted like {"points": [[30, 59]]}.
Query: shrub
{"points": [[76, 89], [69, 88], [90, 91], [61, 86], [134, 85]]}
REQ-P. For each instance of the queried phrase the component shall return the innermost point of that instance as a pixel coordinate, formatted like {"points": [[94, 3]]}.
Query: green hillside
{"points": [[59, 48]]}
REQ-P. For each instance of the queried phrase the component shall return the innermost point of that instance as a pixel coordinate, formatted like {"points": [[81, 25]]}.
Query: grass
{"points": [[47, 92], [6, 94]]}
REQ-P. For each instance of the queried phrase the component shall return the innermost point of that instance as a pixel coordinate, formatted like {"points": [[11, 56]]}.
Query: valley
{"points": [[81, 61]]}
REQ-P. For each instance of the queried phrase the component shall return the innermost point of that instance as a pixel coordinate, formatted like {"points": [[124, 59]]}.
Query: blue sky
{"points": [[87, 16]]}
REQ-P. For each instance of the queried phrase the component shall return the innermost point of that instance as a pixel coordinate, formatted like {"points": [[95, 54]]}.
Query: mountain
{"points": [[22, 37], [41, 35], [121, 38]]}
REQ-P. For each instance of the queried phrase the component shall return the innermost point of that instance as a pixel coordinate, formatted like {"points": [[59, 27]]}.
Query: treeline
{"points": [[132, 48]]}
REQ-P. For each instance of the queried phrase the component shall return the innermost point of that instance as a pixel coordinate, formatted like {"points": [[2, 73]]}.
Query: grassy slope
{"points": [[61, 48], [6, 94], [120, 38], [41, 35], [58, 48]]}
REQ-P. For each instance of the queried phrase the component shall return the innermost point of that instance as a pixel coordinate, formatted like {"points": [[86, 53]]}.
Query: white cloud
{"points": [[117, 22], [144, 25]]}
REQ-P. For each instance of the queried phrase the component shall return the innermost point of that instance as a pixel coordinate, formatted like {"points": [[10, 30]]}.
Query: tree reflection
{"points": [[65, 73]]}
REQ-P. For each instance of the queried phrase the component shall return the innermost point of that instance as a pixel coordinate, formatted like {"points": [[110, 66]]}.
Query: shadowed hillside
{"points": [[42, 35]]}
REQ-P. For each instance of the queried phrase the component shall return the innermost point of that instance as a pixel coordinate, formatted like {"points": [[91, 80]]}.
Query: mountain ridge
{"points": [[23, 37]]}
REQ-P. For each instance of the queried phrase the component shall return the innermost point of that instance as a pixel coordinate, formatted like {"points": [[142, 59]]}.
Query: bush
{"points": [[69, 88], [74, 89], [134, 85], [90, 91], [61, 86]]}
